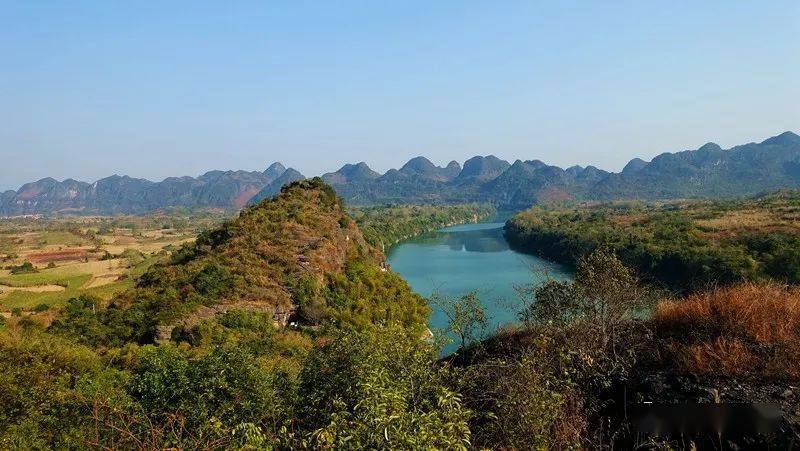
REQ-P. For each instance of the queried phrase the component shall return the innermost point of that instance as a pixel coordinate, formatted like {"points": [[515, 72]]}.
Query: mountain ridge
{"points": [[708, 171]]}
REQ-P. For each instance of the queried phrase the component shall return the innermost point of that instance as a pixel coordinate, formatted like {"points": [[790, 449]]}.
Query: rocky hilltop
{"points": [[297, 256]]}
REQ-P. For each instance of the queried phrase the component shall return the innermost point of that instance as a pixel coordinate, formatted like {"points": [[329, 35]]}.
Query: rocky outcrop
{"points": [[280, 317]]}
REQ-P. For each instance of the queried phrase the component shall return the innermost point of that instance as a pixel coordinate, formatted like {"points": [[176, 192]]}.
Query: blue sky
{"points": [[155, 89]]}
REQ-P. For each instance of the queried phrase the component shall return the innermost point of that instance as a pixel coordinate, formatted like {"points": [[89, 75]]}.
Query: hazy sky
{"points": [[155, 89]]}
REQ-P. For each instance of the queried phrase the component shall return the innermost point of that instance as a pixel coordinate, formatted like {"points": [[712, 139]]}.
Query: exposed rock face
{"points": [[164, 332], [280, 316]]}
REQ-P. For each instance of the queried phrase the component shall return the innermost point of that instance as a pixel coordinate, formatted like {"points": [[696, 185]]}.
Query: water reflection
{"points": [[488, 239], [474, 257]]}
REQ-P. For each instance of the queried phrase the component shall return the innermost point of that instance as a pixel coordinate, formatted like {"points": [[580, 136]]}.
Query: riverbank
{"points": [[385, 226]]}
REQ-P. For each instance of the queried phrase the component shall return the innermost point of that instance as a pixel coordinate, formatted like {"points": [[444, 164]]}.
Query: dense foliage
{"points": [[684, 245], [241, 383], [379, 389], [386, 225]]}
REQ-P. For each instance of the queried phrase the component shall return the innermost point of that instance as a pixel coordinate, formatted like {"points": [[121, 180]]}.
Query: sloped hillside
{"points": [[296, 256]]}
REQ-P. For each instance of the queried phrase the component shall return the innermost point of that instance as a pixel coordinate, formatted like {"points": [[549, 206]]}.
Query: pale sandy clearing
{"points": [[145, 247], [103, 279], [34, 289]]}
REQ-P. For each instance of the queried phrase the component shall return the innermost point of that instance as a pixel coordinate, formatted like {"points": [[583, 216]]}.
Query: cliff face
{"points": [[298, 255]]}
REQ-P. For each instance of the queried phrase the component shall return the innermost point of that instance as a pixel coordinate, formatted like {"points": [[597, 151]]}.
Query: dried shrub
{"points": [[752, 328]]}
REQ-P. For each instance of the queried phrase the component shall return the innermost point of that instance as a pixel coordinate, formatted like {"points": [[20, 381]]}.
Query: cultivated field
{"points": [[45, 262]]}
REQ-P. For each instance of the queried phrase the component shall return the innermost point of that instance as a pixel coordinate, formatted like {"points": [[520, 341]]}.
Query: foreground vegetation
{"points": [[684, 245], [583, 356], [282, 329]]}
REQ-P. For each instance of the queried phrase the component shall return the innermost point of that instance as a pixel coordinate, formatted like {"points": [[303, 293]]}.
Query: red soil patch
{"points": [[58, 256], [553, 194], [245, 196], [29, 193]]}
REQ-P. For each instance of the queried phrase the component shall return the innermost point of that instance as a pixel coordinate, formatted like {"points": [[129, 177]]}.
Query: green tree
{"points": [[466, 316], [213, 394], [604, 295], [379, 389]]}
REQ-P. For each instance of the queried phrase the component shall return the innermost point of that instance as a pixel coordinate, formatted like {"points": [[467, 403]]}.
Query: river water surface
{"points": [[473, 257]]}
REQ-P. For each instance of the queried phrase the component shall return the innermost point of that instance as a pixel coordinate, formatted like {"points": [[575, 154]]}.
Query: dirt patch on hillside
{"points": [[103, 279], [34, 289], [245, 196]]}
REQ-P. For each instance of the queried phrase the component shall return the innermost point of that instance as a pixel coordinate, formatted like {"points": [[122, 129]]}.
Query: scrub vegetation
{"points": [[283, 328], [684, 245]]}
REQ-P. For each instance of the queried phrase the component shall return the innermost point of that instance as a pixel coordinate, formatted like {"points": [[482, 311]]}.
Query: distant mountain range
{"points": [[709, 171], [123, 194]]}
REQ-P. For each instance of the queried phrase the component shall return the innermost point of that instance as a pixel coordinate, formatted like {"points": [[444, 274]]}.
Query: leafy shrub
{"points": [[213, 281], [49, 390], [24, 268], [466, 317], [214, 394], [379, 389], [521, 403]]}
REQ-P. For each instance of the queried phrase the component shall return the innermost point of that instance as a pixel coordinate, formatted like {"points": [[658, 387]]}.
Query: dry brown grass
{"points": [[740, 219], [753, 328], [733, 223]]}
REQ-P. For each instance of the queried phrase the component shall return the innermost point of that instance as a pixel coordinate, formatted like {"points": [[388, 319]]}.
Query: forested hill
{"points": [[279, 329], [707, 172], [296, 257]]}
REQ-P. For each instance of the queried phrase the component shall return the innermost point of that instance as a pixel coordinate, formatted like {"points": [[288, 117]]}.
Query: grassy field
{"points": [[54, 286]]}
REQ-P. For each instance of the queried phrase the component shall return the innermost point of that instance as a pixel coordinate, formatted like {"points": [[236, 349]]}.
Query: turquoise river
{"points": [[454, 261]]}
